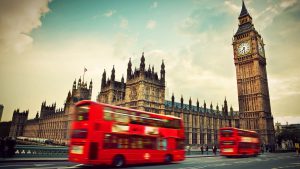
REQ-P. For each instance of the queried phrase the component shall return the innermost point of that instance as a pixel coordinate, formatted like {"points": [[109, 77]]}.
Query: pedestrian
{"points": [[2, 145], [10, 147], [215, 150], [201, 149], [262, 148], [297, 147], [207, 149]]}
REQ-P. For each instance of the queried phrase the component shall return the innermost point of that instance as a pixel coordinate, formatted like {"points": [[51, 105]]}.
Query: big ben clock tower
{"points": [[252, 81]]}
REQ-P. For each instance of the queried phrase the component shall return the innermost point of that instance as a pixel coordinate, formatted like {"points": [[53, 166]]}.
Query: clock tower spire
{"points": [[252, 81]]}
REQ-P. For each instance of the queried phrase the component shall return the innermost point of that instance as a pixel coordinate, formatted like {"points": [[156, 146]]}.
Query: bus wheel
{"points": [[118, 161], [168, 158]]}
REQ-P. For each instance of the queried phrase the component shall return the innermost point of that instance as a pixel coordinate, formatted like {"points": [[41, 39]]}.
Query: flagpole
{"points": [[84, 70]]}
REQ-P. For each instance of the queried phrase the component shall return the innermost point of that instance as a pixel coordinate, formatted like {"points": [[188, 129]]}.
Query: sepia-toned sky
{"points": [[44, 47]]}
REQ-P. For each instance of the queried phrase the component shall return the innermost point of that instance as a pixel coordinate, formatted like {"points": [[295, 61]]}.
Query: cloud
{"points": [[151, 24], [154, 5], [18, 19], [232, 6], [287, 3], [266, 17], [123, 44], [110, 13], [124, 23], [286, 87], [287, 119]]}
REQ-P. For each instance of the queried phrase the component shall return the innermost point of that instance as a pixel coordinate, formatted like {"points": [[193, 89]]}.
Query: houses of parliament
{"points": [[144, 89]]}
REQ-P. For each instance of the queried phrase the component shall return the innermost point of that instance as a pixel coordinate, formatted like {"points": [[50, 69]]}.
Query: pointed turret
{"points": [[162, 71], [103, 82], [181, 101], [79, 82], [69, 97], [204, 106], [231, 111], [129, 70], [142, 65], [244, 11], [173, 99], [122, 79], [37, 115], [113, 74], [190, 103], [74, 85], [91, 85], [225, 107], [197, 105]]}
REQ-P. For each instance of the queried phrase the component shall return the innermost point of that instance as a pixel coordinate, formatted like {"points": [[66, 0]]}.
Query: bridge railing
{"points": [[34, 151], [38, 151]]}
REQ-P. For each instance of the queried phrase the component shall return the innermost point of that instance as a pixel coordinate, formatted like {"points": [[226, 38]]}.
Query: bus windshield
{"points": [[81, 112], [226, 133]]}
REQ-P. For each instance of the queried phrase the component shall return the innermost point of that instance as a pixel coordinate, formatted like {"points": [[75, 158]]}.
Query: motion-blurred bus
{"points": [[112, 135], [238, 142]]}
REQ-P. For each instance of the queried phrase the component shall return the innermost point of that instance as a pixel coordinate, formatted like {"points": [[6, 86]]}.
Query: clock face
{"points": [[244, 48], [260, 49]]}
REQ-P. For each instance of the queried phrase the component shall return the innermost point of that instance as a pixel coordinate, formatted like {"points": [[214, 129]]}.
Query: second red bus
{"points": [[238, 142]]}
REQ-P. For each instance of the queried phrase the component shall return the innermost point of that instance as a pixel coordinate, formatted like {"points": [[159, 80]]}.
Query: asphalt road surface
{"points": [[265, 161]]}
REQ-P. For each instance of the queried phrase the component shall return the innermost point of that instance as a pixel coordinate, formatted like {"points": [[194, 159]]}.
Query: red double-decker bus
{"points": [[238, 142], [112, 135]]}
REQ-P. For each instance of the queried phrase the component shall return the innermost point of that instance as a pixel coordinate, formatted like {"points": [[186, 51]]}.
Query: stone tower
{"points": [[144, 89], [252, 81], [18, 122], [47, 110], [79, 92], [112, 91]]}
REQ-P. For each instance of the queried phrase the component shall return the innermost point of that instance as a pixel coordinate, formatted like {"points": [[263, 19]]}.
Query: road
{"points": [[265, 161]]}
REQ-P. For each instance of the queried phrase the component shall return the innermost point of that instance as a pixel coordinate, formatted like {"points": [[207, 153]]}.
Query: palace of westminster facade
{"points": [[144, 89]]}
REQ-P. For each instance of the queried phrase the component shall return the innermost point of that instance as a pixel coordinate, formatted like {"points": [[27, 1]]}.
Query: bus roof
{"points": [[125, 108], [226, 128]]}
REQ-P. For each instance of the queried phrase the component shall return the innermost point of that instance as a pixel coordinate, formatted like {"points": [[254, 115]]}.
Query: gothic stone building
{"points": [[145, 90], [252, 81], [52, 123]]}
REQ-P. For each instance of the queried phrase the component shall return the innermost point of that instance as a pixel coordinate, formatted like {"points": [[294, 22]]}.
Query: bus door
{"points": [[171, 143], [162, 145]]}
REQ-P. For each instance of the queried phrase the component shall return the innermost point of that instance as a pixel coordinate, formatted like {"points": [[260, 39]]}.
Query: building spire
{"points": [[113, 73], [244, 10], [142, 64]]}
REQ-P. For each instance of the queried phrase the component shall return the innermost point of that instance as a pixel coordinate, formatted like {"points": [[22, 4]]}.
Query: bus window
{"points": [[79, 133], [81, 112], [121, 118], [108, 114], [162, 144], [226, 133], [174, 123]]}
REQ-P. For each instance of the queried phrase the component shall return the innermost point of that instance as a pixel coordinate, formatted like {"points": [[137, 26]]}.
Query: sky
{"points": [[45, 46]]}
